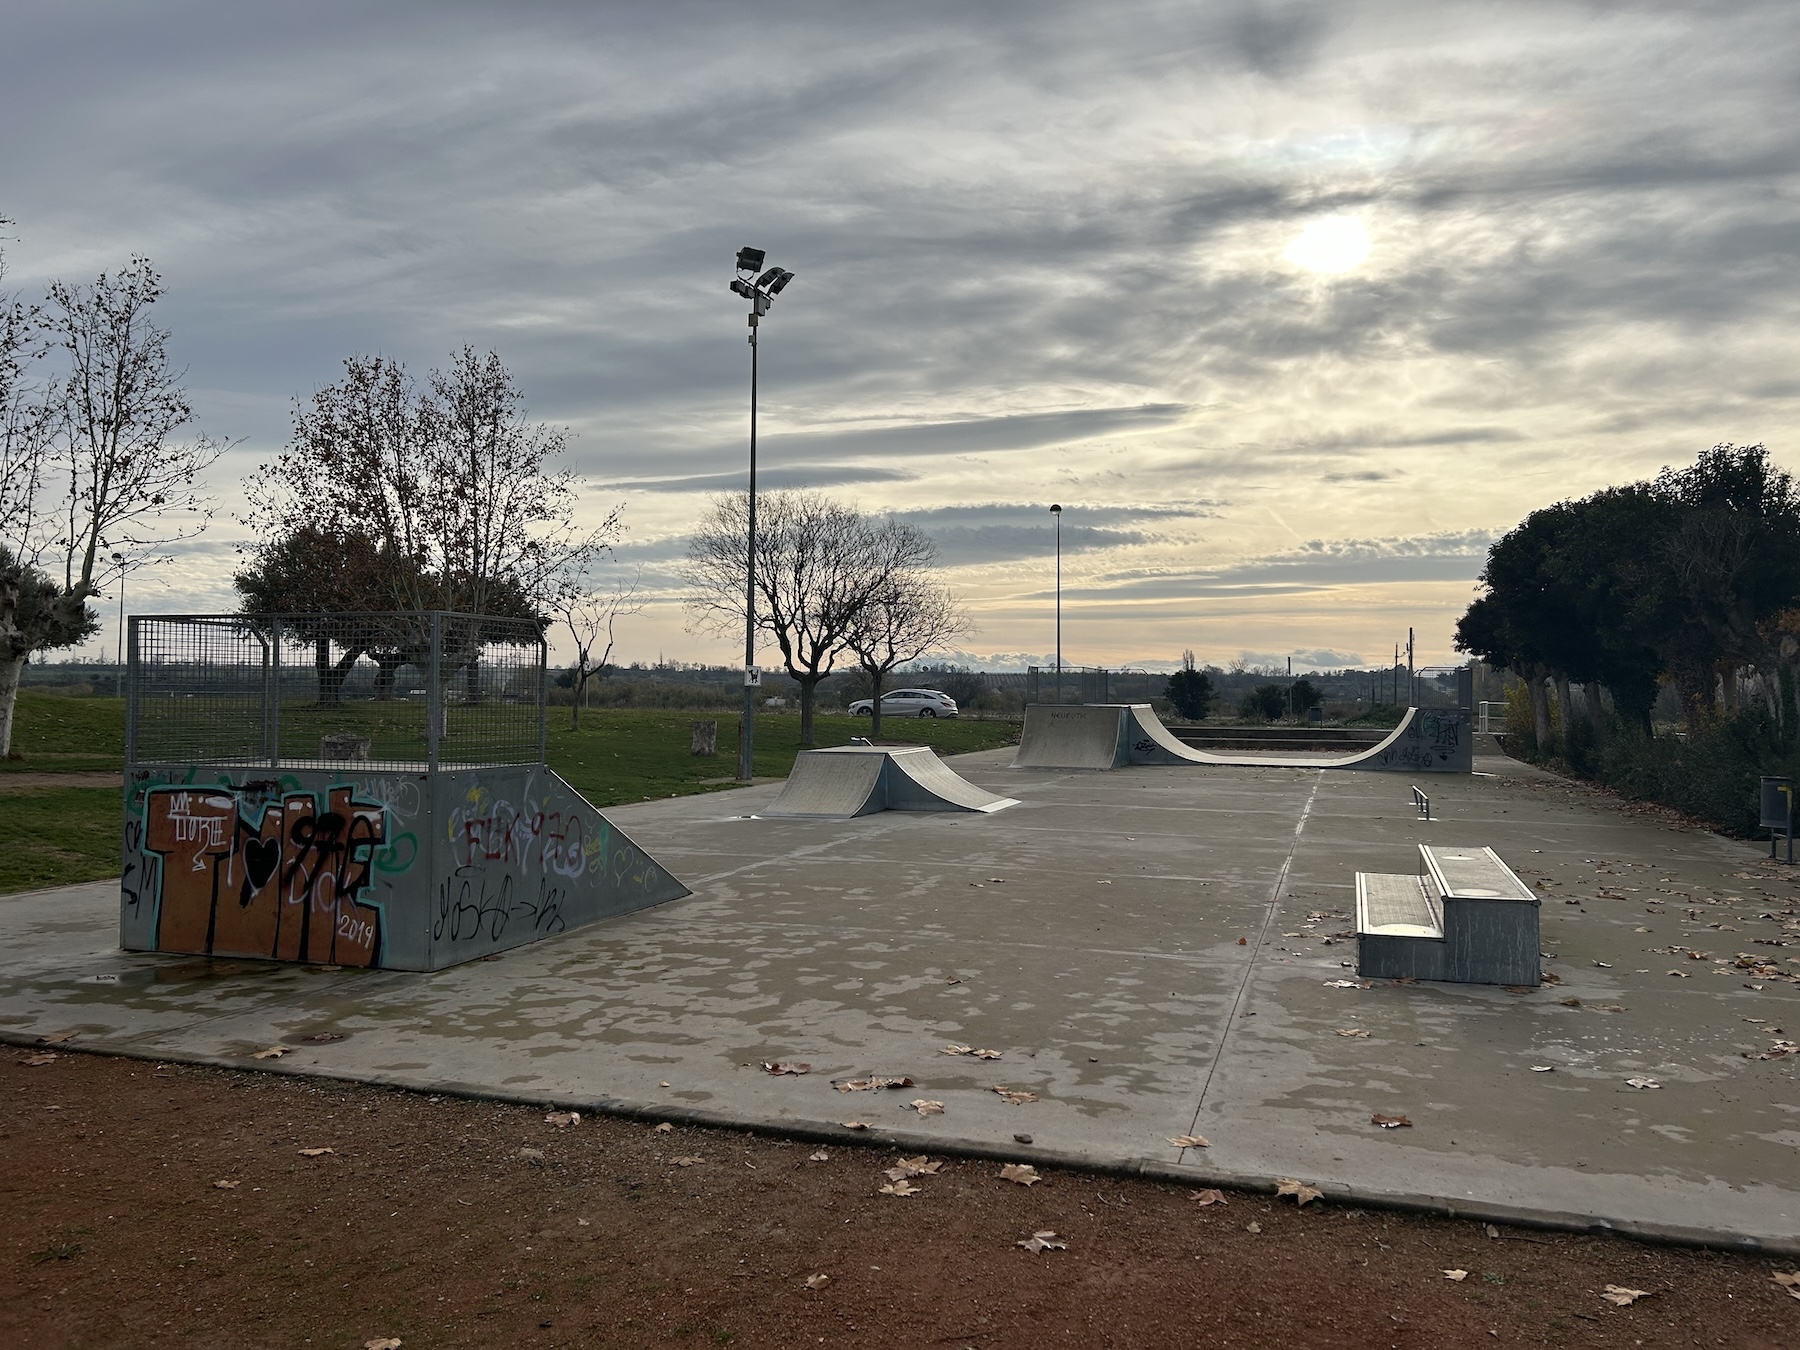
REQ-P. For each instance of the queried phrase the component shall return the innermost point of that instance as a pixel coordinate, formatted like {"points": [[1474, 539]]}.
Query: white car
{"points": [[908, 703]]}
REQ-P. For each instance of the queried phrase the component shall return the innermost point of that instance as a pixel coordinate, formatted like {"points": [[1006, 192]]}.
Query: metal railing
{"points": [[400, 690]]}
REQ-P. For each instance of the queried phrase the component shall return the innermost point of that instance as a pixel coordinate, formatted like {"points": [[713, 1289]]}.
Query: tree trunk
{"points": [[581, 679], [1596, 710], [1728, 687], [10, 670], [1540, 712], [1566, 707], [875, 704], [809, 691]]}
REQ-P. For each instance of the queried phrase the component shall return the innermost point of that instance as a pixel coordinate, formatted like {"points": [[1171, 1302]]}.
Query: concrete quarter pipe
{"points": [[857, 780], [1113, 735]]}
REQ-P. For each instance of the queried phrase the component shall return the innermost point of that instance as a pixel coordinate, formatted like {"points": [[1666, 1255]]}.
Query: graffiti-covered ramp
{"points": [[856, 780], [367, 866]]}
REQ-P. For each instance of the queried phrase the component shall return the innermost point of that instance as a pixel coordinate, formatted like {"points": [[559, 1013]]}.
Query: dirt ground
{"points": [[151, 1204]]}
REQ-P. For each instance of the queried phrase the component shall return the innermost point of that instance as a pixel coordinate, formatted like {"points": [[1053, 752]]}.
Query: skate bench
{"points": [[1464, 917]]}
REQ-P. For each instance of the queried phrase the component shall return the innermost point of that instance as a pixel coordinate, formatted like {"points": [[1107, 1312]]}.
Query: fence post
{"points": [[272, 689], [434, 693], [543, 693]]}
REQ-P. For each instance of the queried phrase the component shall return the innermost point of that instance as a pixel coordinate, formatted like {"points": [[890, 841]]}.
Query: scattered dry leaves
{"points": [[955, 1049], [1357, 1032], [1209, 1197], [921, 1166], [563, 1119], [273, 1052], [1188, 1141], [817, 1281], [1788, 1281], [58, 1038], [1045, 1240], [1023, 1173], [780, 1067], [324, 1037], [898, 1188], [820, 1156], [1390, 1122], [316, 1152], [926, 1108], [1641, 1082], [665, 1128], [1457, 1275], [856, 1124], [688, 1160], [226, 1185], [383, 1343], [1619, 1294], [45, 1058], [1015, 1096], [1302, 1193], [874, 1082]]}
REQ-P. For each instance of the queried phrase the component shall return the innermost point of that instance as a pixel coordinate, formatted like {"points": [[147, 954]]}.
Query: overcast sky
{"points": [[1292, 306]]}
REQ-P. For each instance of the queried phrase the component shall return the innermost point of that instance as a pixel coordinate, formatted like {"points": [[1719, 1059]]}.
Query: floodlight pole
{"points": [[747, 742], [1056, 515], [120, 560]]}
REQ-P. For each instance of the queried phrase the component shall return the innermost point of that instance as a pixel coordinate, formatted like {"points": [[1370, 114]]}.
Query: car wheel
{"points": [[860, 712], [927, 712]]}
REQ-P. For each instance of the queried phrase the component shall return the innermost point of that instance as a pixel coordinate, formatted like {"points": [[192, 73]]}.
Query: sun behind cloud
{"points": [[1330, 244]]}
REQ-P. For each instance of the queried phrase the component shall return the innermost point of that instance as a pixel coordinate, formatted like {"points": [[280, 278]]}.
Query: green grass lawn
{"points": [[53, 836], [50, 836]]}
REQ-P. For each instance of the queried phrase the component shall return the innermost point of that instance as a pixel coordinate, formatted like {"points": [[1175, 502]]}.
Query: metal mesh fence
{"points": [[416, 690], [1092, 684]]}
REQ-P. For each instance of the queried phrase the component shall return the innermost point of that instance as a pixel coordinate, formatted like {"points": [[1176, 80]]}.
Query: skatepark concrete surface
{"points": [[1154, 954]]}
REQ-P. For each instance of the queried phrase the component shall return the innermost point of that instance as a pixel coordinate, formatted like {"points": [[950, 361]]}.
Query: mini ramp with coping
{"points": [[1113, 735], [858, 780]]}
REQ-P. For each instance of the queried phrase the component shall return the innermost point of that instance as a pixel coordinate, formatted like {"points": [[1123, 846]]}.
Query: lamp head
{"points": [[777, 286], [1055, 510], [750, 259]]}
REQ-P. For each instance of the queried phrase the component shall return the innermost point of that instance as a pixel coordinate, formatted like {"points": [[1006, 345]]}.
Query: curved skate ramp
{"points": [[1428, 740], [857, 780]]}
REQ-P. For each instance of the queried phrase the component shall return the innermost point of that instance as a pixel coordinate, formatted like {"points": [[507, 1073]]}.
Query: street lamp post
{"points": [[119, 560], [1056, 515], [760, 291]]}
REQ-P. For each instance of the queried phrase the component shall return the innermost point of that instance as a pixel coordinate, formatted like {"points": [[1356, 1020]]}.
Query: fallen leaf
{"points": [[226, 1185], [58, 1038], [1209, 1197], [1345, 984], [955, 1049], [1788, 1281], [870, 1084], [1604, 965], [1044, 1241], [817, 1281], [1188, 1141], [1612, 1007], [316, 1152], [665, 1128], [898, 1188], [1353, 1031], [926, 1108], [1543, 1068], [1570, 1002], [383, 1343], [856, 1124], [1023, 1173], [820, 1156], [1015, 1096], [920, 1166], [1492, 1232], [563, 1119], [1253, 1227], [1642, 1083], [786, 1067], [534, 1156], [273, 1052], [1301, 1192], [1458, 1275], [1390, 1122], [324, 1037], [688, 1160], [45, 1058], [1619, 1294]]}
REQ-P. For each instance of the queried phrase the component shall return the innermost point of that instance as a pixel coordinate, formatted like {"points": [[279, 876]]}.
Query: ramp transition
{"points": [[858, 780], [1113, 735]]}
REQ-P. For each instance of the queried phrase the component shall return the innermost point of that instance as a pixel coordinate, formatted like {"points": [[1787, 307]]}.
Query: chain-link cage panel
{"points": [[399, 690]]}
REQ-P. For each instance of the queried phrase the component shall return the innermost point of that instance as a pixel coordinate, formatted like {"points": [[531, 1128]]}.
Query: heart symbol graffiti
{"points": [[261, 858]]}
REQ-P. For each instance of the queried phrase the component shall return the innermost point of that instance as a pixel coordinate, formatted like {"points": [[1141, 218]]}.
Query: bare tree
{"points": [[457, 494], [815, 564], [97, 482], [591, 614], [907, 612]]}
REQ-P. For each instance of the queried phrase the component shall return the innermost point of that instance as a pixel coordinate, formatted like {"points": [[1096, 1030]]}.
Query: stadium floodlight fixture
{"points": [[777, 286], [743, 288], [772, 274], [750, 259]]}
